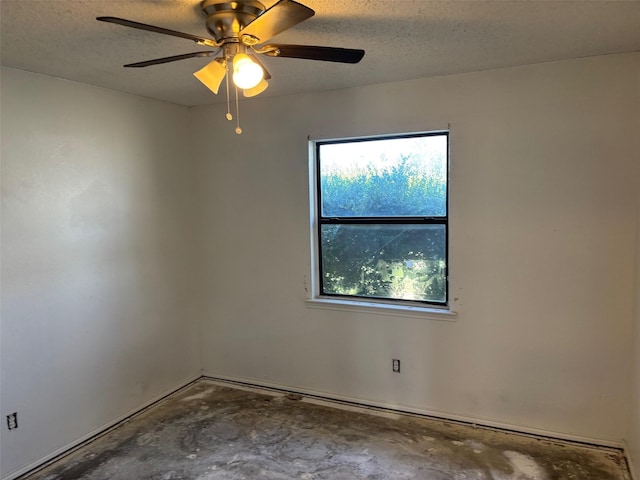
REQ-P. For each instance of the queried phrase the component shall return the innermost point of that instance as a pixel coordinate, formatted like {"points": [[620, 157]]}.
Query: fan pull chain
{"points": [[238, 129], [229, 116]]}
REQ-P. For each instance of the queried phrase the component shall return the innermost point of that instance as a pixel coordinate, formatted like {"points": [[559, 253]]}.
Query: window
{"points": [[382, 222]]}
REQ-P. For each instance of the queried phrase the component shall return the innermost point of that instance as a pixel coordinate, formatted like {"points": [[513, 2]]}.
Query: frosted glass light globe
{"points": [[246, 72]]}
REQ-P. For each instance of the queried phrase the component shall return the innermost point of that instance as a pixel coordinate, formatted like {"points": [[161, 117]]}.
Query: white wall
{"points": [[96, 240], [543, 221], [101, 225]]}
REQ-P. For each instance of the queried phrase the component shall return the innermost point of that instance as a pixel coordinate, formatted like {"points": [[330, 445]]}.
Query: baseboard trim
{"points": [[56, 455], [356, 402]]}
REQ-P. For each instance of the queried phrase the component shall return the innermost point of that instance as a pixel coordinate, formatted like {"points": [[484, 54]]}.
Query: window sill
{"points": [[413, 311]]}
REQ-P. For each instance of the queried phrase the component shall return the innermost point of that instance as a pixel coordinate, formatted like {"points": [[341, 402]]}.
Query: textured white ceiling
{"points": [[403, 39]]}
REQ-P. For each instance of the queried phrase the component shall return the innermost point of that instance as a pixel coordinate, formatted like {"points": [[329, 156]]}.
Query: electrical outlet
{"points": [[395, 365], [12, 421]]}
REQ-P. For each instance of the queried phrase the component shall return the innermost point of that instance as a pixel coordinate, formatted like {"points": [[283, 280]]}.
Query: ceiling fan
{"points": [[240, 29]]}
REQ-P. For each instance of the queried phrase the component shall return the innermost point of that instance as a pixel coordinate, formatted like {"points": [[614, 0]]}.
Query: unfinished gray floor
{"points": [[212, 432]]}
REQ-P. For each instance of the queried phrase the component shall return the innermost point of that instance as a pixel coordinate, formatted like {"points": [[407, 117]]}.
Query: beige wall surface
{"points": [[96, 259]]}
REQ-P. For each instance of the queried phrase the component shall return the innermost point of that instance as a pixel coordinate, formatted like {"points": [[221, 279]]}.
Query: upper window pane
{"points": [[393, 177]]}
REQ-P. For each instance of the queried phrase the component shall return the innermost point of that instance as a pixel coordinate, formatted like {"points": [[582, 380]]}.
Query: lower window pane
{"points": [[405, 262]]}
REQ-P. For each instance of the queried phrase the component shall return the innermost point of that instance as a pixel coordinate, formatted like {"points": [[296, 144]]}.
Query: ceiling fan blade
{"points": [[311, 52], [280, 17], [173, 58], [267, 75], [151, 28]]}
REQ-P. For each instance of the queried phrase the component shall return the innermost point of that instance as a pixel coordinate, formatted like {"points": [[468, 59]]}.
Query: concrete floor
{"points": [[213, 432]]}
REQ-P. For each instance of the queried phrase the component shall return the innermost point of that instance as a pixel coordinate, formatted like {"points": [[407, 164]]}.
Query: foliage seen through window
{"points": [[383, 218]]}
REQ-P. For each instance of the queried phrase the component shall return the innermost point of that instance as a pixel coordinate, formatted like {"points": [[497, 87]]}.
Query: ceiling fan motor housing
{"points": [[226, 19]]}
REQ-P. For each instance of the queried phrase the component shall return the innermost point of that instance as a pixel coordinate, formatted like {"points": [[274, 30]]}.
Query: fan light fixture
{"points": [[248, 76]]}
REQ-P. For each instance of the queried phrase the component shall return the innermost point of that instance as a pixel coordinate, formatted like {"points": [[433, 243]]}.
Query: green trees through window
{"points": [[382, 217]]}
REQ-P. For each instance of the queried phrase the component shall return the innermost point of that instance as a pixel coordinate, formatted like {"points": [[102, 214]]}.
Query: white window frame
{"points": [[391, 307]]}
